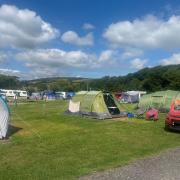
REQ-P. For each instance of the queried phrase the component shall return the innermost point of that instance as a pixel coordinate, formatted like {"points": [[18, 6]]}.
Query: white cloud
{"points": [[40, 63], [131, 52], [23, 28], [106, 55], [56, 62], [10, 72], [88, 26], [56, 58], [174, 59], [149, 32], [3, 57], [72, 37], [138, 63], [18, 73]]}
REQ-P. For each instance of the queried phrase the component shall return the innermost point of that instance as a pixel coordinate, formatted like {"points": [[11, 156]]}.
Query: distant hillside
{"points": [[53, 79], [9, 82], [55, 84], [149, 79]]}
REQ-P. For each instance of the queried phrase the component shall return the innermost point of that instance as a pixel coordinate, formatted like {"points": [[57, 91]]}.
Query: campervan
{"points": [[8, 93], [12, 93]]}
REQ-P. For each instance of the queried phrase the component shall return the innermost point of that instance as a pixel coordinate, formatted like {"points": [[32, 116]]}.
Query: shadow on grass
{"points": [[13, 130], [167, 129]]}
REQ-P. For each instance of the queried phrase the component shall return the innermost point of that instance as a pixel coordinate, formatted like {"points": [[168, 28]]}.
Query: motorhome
{"points": [[8, 93], [12, 93]]}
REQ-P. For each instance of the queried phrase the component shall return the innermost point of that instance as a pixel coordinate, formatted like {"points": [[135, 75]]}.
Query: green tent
{"points": [[160, 100], [95, 104]]}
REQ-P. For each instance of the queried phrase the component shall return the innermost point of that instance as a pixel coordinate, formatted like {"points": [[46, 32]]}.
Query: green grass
{"points": [[52, 145]]}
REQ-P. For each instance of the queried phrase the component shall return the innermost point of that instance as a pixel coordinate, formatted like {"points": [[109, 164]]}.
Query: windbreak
{"points": [[4, 118]]}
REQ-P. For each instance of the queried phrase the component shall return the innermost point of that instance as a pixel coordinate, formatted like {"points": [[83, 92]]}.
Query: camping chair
{"points": [[140, 112]]}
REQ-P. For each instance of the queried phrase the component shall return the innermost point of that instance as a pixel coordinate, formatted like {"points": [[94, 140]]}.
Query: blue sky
{"points": [[87, 38]]}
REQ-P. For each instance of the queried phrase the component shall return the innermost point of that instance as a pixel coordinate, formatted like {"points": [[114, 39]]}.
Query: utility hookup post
{"points": [[87, 85]]}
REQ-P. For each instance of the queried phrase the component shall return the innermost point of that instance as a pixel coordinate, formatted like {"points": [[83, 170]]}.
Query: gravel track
{"points": [[165, 166]]}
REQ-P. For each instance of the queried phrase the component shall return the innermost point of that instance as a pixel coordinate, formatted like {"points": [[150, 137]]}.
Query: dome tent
{"points": [[160, 100], [94, 104], [4, 118]]}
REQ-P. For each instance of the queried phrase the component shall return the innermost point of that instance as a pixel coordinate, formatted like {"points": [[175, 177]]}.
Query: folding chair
{"points": [[140, 112]]}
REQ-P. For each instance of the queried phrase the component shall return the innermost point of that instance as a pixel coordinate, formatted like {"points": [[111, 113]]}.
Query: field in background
{"points": [[47, 144]]}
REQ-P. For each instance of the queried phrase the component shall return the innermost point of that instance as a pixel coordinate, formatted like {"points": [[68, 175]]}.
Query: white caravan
{"points": [[12, 93], [22, 93]]}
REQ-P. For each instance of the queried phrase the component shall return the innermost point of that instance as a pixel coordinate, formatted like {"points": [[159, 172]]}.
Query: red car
{"points": [[173, 117]]}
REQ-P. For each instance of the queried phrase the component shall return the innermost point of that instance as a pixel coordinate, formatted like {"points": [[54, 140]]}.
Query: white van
{"points": [[61, 94]]}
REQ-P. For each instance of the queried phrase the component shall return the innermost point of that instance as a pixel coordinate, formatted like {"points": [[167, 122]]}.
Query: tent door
{"points": [[111, 105]]}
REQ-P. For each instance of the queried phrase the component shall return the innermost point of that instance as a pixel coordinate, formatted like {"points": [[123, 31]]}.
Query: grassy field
{"points": [[47, 144]]}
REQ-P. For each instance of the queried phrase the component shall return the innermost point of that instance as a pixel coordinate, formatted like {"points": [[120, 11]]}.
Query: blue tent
{"points": [[50, 95]]}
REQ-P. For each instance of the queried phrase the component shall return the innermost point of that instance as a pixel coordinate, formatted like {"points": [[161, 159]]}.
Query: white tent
{"points": [[4, 118]]}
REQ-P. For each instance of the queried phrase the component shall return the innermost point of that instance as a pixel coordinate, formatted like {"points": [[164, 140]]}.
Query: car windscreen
{"points": [[177, 107]]}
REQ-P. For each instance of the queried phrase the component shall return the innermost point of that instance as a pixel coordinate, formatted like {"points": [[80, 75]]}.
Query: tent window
{"points": [[109, 101]]}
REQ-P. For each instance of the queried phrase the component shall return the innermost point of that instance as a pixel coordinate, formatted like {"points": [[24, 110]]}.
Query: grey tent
{"points": [[132, 96], [4, 118]]}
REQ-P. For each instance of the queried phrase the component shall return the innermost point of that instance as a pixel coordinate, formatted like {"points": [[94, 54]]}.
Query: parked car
{"points": [[173, 117], [61, 95]]}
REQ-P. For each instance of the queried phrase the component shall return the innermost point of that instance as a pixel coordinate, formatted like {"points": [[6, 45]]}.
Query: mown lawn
{"points": [[48, 144]]}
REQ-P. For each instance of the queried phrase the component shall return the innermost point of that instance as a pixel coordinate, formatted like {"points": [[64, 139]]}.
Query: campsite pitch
{"points": [[47, 144]]}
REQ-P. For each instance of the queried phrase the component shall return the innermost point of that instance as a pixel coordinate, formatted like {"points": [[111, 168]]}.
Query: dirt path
{"points": [[165, 166]]}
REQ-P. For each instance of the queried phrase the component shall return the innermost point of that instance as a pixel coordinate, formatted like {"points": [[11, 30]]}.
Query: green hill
{"points": [[148, 79]]}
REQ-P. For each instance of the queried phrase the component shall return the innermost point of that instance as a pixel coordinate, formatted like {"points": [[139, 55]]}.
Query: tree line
{"points": [[147, 79]]}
